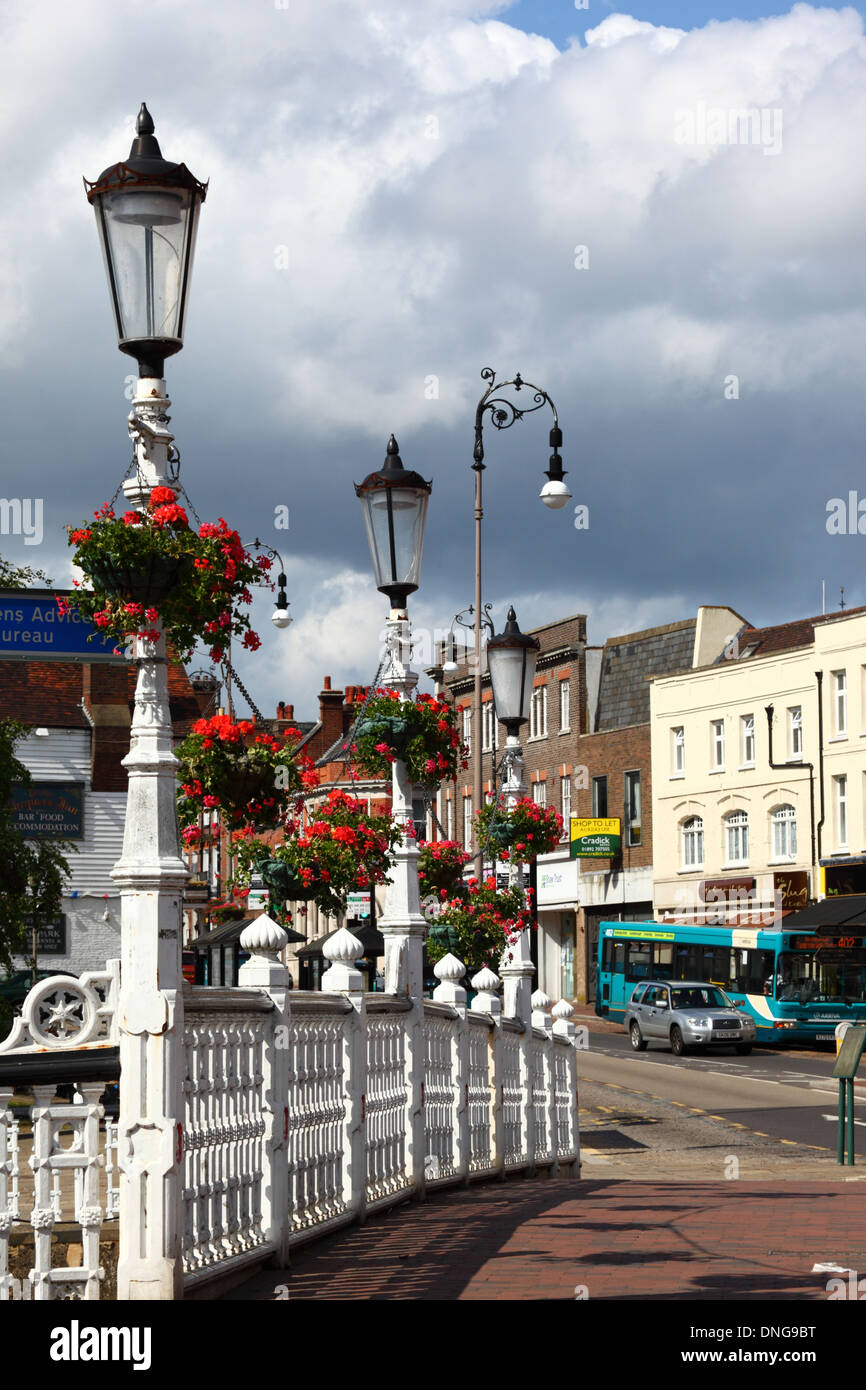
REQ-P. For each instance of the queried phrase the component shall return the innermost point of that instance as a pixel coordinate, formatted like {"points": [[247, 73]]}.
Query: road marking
{"points": [[835, 1117], [695, 1110]]}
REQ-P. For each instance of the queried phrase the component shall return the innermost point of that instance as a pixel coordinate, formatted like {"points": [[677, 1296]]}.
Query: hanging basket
{"points": [[282, 882], [391, 729], [147, 583], [444, 936]]}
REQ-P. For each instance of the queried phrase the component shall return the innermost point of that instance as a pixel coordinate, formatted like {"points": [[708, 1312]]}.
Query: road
{"points": [[782, 1094]]}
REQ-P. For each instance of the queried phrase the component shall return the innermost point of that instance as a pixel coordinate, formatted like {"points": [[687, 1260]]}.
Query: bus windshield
{"points": [[822, 976]]}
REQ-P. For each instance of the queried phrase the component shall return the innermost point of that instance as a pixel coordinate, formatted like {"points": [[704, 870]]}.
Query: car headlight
{"points": [[698, 1022]]}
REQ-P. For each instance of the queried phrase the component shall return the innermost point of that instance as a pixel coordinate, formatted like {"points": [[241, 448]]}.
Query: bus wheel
{"points": [[637, 1041], [744, 1049], [678, 1047]]}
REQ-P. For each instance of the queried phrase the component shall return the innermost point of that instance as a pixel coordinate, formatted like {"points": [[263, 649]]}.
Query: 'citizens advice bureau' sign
{"points": [[32, 625]]}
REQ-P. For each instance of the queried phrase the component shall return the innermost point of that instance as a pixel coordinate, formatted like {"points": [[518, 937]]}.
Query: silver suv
{"points": [[686, 1013]]}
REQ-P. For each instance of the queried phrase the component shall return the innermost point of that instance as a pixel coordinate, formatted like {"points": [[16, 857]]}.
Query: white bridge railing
{"points": [[302, 1111]]}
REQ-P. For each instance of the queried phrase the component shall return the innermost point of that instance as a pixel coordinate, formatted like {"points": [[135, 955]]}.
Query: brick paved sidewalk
{"points": [[616, 1239]]}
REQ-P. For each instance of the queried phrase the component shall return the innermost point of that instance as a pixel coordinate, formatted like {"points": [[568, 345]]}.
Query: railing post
{"points": [[265, 939], [541, 1020], [564, 1028], [7, 1211], [487, 1001], [450, 971], [342, 950]]}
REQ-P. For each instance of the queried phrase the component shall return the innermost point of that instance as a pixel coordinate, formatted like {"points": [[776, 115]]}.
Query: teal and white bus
{"points": [[797, 985]]}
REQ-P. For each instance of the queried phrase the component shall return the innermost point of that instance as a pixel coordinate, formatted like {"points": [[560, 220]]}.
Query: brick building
{"points": [[549, 740], [587, 751]]}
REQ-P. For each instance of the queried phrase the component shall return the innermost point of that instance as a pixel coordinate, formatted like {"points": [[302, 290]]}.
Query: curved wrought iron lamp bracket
{"points": [[504, 412]]}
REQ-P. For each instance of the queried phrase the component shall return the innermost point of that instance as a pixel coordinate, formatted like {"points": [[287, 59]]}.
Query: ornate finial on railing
{"points": [[265, 940], [486, 1000], [264, 937], [540, 1017], [342, 950], [450, 971], [563, 1026]]}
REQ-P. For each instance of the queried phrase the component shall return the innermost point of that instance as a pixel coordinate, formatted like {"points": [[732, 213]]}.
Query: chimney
{"points": [[281, 710], [330, 714], [290, 711]]}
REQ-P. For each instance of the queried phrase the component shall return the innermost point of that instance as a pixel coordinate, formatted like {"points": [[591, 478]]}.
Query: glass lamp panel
{"points": [[408, 512], [148, 239], [512, 671]]}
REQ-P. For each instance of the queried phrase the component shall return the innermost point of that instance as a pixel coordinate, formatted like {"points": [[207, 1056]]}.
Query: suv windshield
{"points": [[700, 997]]}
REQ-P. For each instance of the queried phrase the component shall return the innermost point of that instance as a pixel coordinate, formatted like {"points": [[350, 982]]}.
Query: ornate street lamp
{"points": [[512, 656], [147, 214], [503, 413], [146, 211], [281, 617], [394, 501], [395, 510], [511, 659]]}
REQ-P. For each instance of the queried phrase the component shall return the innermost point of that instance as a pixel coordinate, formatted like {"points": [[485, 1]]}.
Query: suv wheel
{"points": [[678, 1047], [638, 1042]]}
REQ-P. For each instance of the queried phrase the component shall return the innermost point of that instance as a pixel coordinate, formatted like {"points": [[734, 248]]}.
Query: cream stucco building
{"points": [[753, 815]]}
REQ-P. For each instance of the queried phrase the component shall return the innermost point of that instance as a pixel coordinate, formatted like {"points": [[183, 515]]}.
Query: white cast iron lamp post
{"points": [[146, 211], [511, 658]]}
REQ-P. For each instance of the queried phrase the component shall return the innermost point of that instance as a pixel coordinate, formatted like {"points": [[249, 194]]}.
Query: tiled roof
{"points": [[627, 666], [782, 637]]}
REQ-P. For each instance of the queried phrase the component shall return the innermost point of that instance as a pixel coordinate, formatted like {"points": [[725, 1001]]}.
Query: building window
{"points": [[795, 731], [489, 727], [840, 702], [467, 728], [564, 706], [841, 786], [717, 743], [678, 751], [693, 843], [737, 837], [467, 822], [539, 793], [565, 803], [449, 818], [538, 713], [783, 825], [599, 797], [632, 808], [747, 730]]}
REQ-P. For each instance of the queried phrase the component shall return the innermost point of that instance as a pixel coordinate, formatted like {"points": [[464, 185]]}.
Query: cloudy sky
{"points": [[404, 193]]}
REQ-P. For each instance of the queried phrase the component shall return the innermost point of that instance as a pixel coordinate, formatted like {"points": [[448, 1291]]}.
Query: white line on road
{"points": [[835, 1117]]}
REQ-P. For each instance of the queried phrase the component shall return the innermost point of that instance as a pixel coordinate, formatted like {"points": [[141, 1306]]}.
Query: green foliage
{"points": [[20, 576]]}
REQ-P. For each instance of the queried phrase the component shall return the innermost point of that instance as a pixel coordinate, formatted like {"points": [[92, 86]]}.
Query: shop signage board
{"points": [[33, 627], [599, 838], [50, 936], [48, 810]]}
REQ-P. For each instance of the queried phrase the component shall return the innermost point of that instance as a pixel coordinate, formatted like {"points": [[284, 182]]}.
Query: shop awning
{"points": [[830, 913], [370, 938], [229, 932]]}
